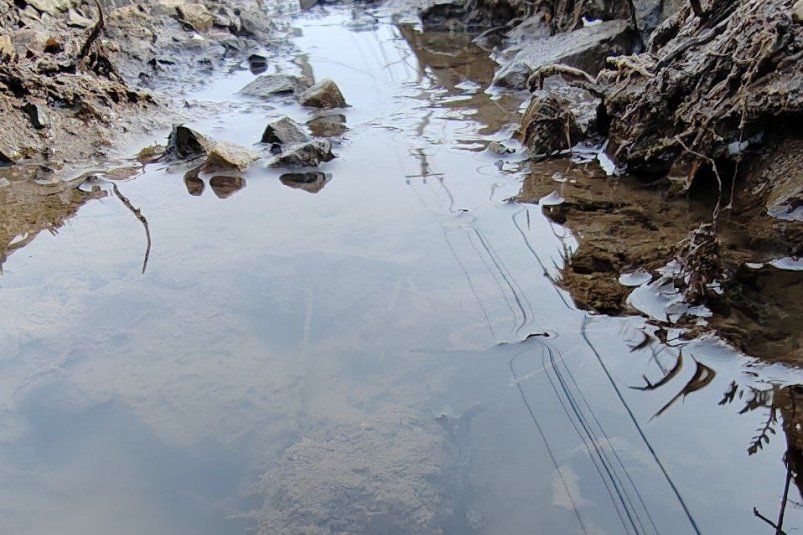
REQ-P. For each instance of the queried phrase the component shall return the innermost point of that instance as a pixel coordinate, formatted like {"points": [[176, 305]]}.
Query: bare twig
{"points": [[142, 220], [550, 70], [93, 35]]}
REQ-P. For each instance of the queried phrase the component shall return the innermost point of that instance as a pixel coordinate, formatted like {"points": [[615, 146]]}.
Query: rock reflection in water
{"points": [[26, 209], [312, 181], [195, 186], [225, 186]]}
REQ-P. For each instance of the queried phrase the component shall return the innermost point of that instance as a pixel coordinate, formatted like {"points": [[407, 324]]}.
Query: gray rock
{"points": [[585, 48], [328, 125], [582, 105], [650, 13], [270, 85], [230, 155], [196, 16], [184, 142], [284, 131], [39, 114], [310, 154], [255, 23], [51, 7], [76, 20], [4, 183], [325, 94], [797, 11], [497, 147]]}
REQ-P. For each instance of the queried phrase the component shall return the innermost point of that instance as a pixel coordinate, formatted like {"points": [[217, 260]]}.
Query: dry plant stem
{"points": [[93, 35], [138, 214]]}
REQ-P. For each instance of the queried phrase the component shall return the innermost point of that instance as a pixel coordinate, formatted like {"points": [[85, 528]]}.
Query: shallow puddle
{"points": [[376, 349]]}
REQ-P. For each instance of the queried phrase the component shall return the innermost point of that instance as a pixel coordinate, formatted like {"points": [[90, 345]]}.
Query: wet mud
{"points": [[624, 225]]}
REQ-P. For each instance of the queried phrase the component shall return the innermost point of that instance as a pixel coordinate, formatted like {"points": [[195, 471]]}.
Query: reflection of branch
{"points": [[762, 436], [778, 530], [703, 375], [665, 379], [730, 394], [142, 219]]}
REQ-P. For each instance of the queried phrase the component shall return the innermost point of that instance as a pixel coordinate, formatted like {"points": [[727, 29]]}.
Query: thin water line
{"points": [[546, 442], [647, 443], [595, 460], [591, 434]]}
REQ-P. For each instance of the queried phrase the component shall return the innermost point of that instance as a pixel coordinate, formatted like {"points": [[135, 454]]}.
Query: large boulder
{"points": [[585, 48], [325, 94]]}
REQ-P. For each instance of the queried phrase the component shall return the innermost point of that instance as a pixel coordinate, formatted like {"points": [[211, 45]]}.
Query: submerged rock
{"points": [[585, 48], [312, 181], [184, 142], [284, 131], [226, 154], [270, 85], [324, 94], [310, 154], [328, 125]]}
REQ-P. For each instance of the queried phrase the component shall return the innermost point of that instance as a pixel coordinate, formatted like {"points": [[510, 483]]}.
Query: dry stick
{"points": [[141, 218], [549, 70], [778, 530], [93, 35]]}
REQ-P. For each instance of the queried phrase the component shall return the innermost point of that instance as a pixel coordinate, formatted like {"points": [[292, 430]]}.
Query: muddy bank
{"points": [[692, 107], [79, 79], [625, 226]]}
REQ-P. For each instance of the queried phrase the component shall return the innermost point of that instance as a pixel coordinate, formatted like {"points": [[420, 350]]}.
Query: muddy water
{"points": [[385, 352]]}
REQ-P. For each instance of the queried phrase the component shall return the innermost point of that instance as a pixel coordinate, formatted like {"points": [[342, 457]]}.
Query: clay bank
{"points": [[466, 267]]}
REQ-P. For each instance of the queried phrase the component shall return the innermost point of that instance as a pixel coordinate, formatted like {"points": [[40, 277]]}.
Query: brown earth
{"points": [[623, 224]]}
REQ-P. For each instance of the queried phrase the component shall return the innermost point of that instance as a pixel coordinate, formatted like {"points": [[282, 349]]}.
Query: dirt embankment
{"points": [[77, 76], [699, 106], [78, 79]]}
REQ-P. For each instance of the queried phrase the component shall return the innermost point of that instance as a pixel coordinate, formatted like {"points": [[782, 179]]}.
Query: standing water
{"points": [[382, 351]]}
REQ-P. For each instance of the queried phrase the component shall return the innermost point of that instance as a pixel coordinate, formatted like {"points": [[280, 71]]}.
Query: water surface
{"points": [[386, 353]]}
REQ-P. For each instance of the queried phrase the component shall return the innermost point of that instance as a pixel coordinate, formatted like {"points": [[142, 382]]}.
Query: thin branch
{"points": [[93, 35], [142, 220]]}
